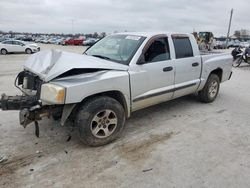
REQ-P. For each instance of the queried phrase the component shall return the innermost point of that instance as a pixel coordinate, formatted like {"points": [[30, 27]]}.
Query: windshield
{"points": [[117, 48]]}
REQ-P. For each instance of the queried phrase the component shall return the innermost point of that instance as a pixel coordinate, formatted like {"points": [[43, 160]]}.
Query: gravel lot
{"points": [[181, 143]]}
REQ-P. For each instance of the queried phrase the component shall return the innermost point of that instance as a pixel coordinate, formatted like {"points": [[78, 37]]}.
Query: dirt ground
{"points": [[181, 143]]}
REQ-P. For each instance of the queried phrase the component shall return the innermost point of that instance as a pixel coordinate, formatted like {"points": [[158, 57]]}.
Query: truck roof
{"points": [[150, 34]]}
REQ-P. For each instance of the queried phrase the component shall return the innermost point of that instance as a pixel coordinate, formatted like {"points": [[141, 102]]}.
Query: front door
{"points": [[152, 81], [17, 46]]}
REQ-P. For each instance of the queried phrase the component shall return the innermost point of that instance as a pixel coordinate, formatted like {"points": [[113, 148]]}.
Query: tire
{"points": [[100, 121], [4, 51], [28, 51], [237, 62], [211, 89]]}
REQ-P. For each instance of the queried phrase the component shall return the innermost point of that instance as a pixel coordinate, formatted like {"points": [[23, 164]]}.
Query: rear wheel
{"points": [[4, 51], [100, 121], [28, 51], [211, 89]]}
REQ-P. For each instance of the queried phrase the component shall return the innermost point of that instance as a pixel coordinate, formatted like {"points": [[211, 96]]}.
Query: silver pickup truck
{"points": [[118, 75]]}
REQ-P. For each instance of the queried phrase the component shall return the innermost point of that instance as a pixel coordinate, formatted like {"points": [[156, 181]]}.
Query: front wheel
{"points": [[237, 62], [100, 121], [211, 89], [28, 51]]}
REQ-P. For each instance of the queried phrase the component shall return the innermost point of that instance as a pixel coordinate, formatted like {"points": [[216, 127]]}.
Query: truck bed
{"points": [[212, 52]]}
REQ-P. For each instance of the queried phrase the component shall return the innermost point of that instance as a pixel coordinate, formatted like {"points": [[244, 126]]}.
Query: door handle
{"points": [[166, 69], [195, 64]]}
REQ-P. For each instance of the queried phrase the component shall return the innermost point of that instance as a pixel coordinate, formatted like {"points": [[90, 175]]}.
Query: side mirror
{"points": [[141, 60]]}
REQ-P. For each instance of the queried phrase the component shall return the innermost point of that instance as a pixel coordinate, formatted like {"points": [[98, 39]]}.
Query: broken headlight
{"points": [[52, 94]]}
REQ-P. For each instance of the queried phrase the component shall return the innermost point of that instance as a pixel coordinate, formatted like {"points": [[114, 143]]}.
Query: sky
{"points": [[88, 16]]}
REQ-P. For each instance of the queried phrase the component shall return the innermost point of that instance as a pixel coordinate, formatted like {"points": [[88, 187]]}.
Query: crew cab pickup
{"points": [[118, 75]]}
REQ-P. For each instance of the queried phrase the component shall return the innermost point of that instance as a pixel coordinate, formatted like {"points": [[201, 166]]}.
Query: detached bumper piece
{"points": [[17, 102], [30, 109], [28, 106]]}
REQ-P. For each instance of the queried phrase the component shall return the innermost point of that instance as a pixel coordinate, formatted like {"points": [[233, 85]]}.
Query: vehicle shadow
{"points": [[140, 121]]}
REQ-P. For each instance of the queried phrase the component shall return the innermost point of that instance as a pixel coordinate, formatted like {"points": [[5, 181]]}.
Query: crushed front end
{"points": [[29, 103]]}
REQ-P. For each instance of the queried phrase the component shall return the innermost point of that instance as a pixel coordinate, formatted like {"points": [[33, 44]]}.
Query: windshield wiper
{"points": [[100, 56]]}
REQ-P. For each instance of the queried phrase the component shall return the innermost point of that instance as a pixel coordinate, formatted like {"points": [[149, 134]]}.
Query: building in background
{"points": [[242, 34]]}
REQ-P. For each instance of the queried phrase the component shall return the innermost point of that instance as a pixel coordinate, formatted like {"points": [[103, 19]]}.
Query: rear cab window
{"points": [[182, 46]]}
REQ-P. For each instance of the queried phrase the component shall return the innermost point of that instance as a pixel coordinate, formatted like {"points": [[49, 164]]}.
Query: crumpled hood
{"points": [[49, 64]]}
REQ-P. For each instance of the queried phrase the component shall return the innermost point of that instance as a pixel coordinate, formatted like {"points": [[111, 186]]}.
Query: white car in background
{"points": [[17, 46], [244, 45]]}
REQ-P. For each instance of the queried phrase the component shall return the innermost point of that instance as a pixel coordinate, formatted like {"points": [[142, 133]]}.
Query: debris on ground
{"points": [[69, 138], [3, 158], [146, 170]]}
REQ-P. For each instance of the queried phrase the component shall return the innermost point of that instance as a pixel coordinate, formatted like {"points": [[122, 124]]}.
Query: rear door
{"points": [[9, 46], [153, 81], [187, 64]]}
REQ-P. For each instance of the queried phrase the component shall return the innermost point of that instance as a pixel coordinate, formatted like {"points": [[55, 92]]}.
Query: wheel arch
{"points": [[28, 48], [115, 94], [70, 109], [205, 75], [218, 72], [3, 49]]}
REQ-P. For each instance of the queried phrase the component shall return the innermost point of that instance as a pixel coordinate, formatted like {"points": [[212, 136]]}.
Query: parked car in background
{"points": [[38, 39], [89, 42], [220, 45], [28, 39], [244, 45], [73, 42], [17, 46], [45, 41], [2, 39], [234, 44], [53, 40], [60, 41]]}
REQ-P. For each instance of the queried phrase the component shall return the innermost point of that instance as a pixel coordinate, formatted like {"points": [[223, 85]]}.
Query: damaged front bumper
{"points": [[17, 102], [31, 110], [29, 104]]}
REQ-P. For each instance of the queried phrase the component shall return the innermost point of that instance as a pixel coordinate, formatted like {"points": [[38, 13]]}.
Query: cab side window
{"points": [[183, 47], [158, 51]]}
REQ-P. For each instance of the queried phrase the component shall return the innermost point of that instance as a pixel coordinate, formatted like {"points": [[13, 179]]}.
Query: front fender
{"points": [[79, 87]]}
